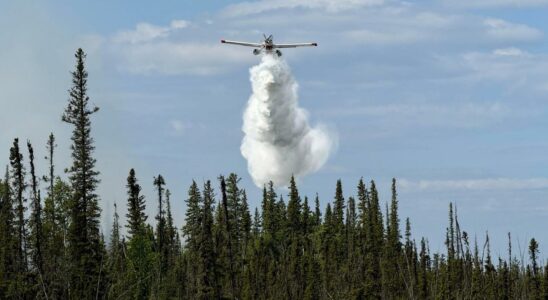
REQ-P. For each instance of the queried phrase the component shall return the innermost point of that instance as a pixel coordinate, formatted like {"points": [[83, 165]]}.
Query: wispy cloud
{"points": [[519, 68], [145, 32], [249, 8], [504, 30], [174, 58], [179, 127], [511, 51], [496, 3], [462, 115], [355, 26], [475, 184], [151, 49]]}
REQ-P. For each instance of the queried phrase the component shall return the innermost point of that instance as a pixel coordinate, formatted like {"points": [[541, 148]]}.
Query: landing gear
{"points": [[256, 51], [279, 53]]}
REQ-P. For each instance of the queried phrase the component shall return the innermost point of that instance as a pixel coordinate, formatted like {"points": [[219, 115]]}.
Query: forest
{"points": [[52, 247]]}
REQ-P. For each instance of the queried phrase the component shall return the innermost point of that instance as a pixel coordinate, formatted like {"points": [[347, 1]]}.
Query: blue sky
{"points": [[449, 97]]}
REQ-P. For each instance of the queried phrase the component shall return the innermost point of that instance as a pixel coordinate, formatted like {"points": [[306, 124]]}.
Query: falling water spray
{"points": [[278, 141]]}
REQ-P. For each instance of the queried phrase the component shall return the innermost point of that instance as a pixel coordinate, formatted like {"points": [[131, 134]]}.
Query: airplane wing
{"points": [[241, 43], [295, 45]]}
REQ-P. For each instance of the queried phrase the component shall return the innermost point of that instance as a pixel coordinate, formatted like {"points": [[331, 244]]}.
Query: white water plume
{"points": [[278, 140]]}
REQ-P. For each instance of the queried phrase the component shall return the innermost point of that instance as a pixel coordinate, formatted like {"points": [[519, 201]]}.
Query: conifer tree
{"points": [[533, 280], [245, 223], [140, 254], [36, 219], [317, 211], [192, 232], [8, 245], [116, 260], [19, 186], [306, 218], [136, 216], [424, 271], [235, 219], [256, 230], [294, 208], [392, 250], [191, 229], [53, 233], [170, 231], [374, 238], [208, 287], [338, 207], [226, 231], [53, 245], [50, 178], [84, 237], [544, 285], [161, 237]]}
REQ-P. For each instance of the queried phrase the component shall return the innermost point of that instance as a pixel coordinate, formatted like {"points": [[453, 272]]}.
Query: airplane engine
{"points": [[279, 53], [256, 51]]}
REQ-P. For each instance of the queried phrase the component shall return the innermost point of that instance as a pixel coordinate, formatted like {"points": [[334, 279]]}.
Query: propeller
{"points": [[267, 39]]}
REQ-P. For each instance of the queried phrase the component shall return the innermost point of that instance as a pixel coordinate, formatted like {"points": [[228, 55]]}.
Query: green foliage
{"points": [[136, 216], [87, 253]]}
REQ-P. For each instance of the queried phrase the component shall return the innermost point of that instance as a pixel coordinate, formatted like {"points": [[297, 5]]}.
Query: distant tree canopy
{"points": [[285, 250]]}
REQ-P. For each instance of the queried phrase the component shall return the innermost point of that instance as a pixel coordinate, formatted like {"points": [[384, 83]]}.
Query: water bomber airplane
{"points": [[268, 46]]}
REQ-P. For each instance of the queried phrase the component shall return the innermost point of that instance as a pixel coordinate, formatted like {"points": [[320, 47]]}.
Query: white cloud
{"points": [[512, 51], [173, 58], [496, 3], [366, 36], [145, 32], [249, 8], [179, 127], [508, 64], [503, 30], [475, 184], [151, 49], [461, 115], [179, 24]]}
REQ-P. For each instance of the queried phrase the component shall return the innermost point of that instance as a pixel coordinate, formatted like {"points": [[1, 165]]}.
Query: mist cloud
{"points": [[278, 141]]}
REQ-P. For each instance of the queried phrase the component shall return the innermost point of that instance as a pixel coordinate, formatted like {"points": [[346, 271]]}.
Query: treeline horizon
{"points": [[52, 247]]}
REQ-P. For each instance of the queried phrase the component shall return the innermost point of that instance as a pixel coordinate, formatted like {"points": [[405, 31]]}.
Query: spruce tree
{"points": [[294, 208], [534, 278], [136, 216], [140, 254], [53, 246], [294, 259], [191, 229], [208, 287], [374, 239], [245, 223], [306, 218], [8, 238], [317, 211], [224, 242], [116, 264], [19, 186], [86, 248], [170, 231], [338, 207], [36, 220], [161, 236], [424, 271], [392, 251]]}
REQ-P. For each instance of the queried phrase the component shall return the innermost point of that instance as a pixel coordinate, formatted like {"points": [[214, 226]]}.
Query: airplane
{"points": [[268, 46]]}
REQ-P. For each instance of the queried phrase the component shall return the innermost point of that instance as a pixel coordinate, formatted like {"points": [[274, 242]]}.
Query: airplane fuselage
{"points": [[268, 46]]}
